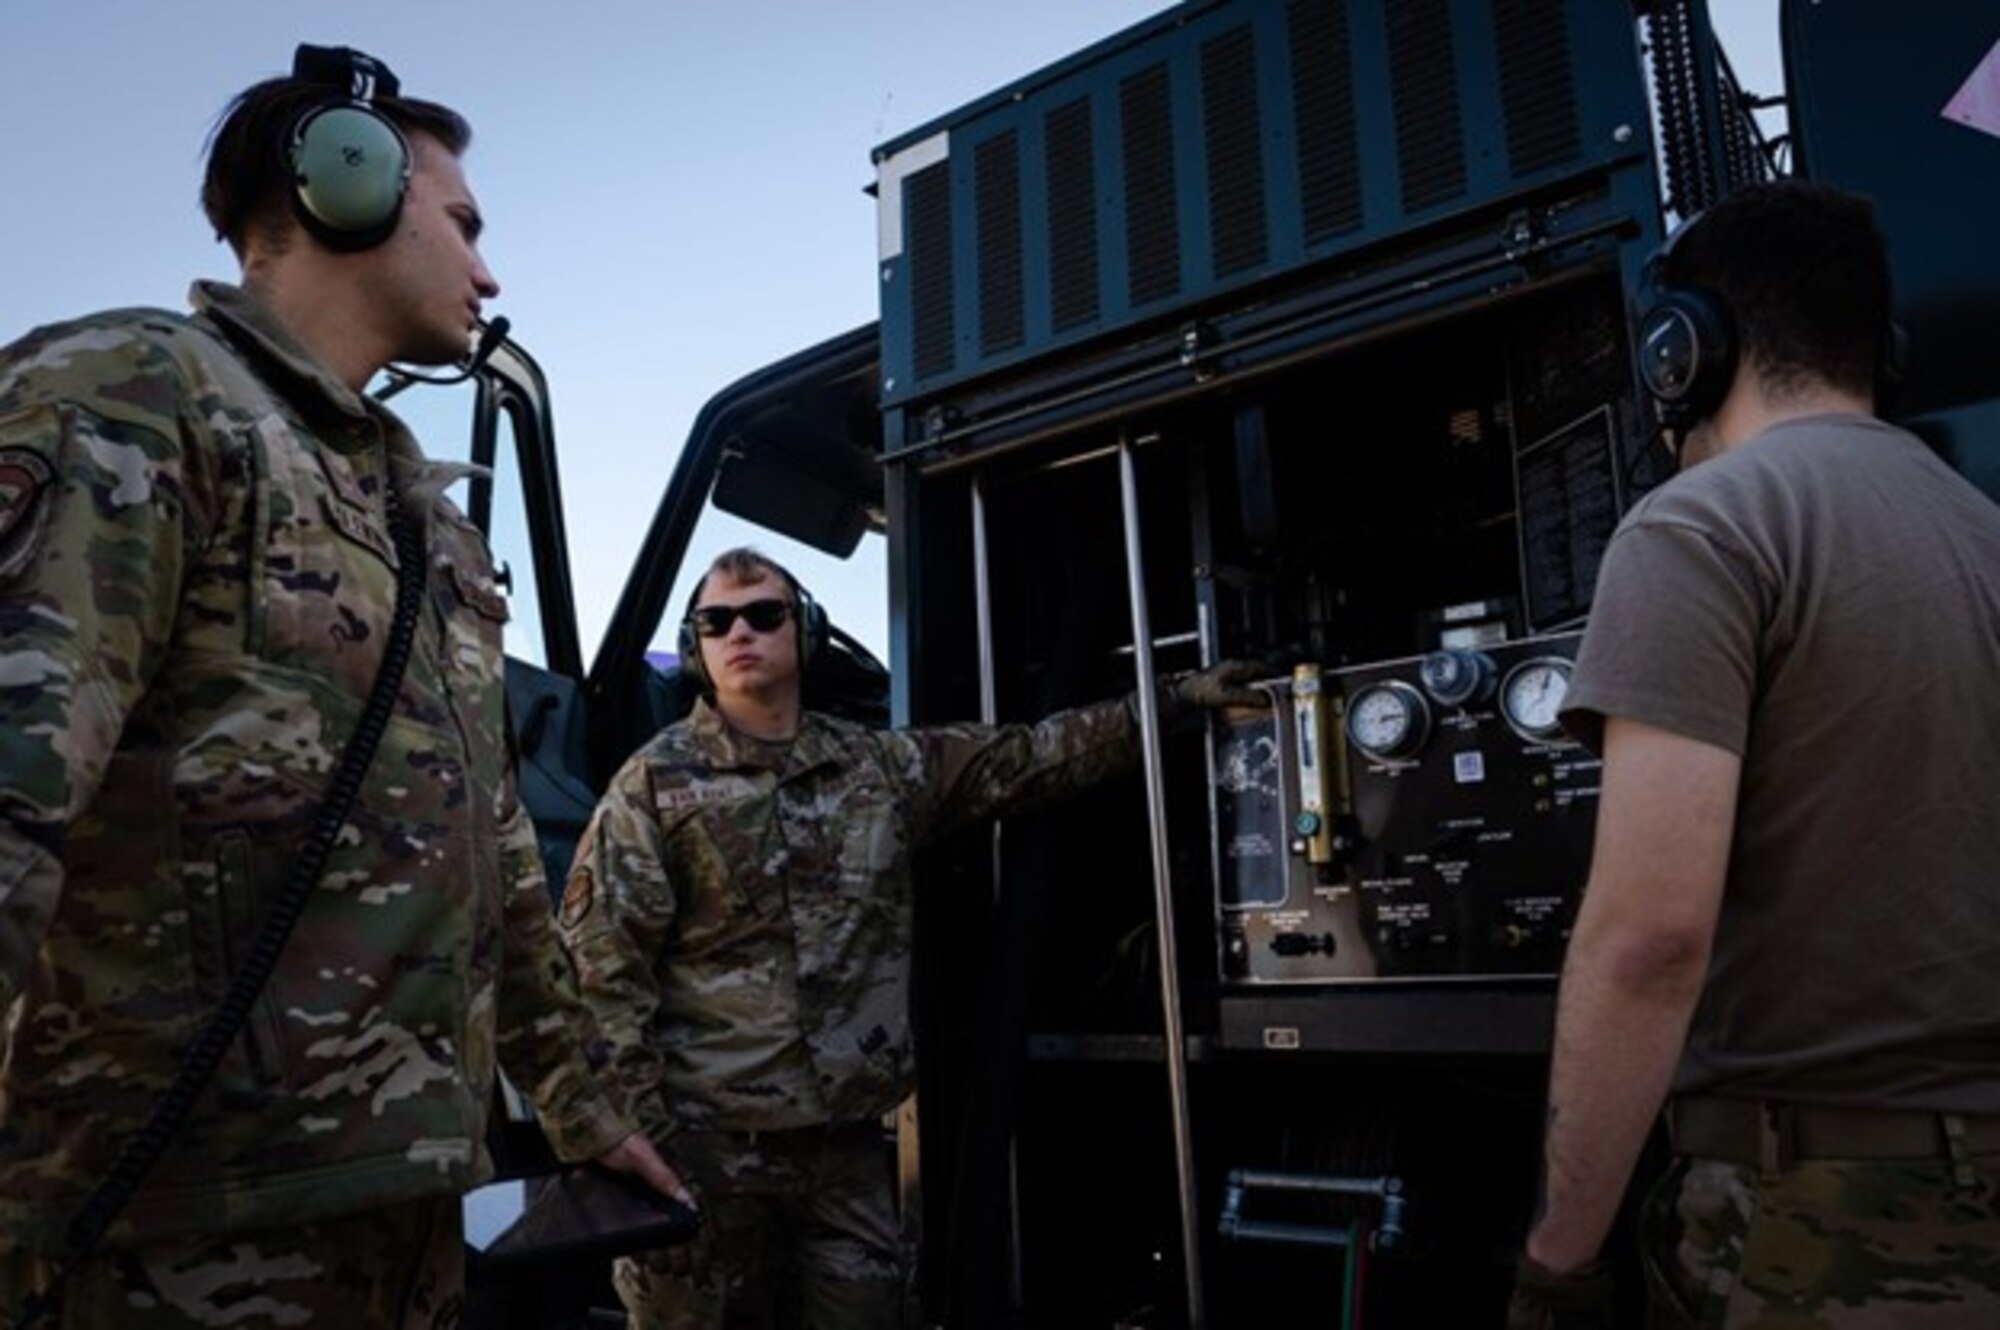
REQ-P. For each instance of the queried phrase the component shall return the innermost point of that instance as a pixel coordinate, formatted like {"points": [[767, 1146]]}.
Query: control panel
{"points": [[1415, 819]]}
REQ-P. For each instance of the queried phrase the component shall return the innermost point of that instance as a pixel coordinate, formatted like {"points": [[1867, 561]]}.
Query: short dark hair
{"points": [[249, 178], [1804, 271], [744, 564]]}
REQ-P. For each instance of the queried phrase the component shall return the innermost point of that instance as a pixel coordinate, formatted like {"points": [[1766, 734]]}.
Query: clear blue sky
{"points": [[673, 188]]}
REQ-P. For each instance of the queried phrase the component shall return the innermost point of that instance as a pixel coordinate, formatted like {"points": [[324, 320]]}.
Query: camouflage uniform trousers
{"points": [[399, 1267], [1823, 1245], [803, 1236]]}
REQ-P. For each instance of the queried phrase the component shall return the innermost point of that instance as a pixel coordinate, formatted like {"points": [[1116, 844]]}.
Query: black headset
{"points": [[1687, 342], [808, 624], [349, 163], [1688, 346]]}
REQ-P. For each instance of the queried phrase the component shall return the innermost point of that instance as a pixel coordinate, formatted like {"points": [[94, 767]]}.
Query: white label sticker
{"points": [[890, 173], [1976, 104]]}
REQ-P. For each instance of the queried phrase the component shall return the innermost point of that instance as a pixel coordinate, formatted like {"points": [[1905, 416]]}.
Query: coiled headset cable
{"points": [[142, 1150]]}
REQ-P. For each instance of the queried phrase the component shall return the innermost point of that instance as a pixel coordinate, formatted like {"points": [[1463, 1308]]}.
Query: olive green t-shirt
{"points": [[1824, 601]]}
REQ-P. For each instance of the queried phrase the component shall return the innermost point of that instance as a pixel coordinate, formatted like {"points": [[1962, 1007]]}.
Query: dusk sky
{"points": [[673, 191]]}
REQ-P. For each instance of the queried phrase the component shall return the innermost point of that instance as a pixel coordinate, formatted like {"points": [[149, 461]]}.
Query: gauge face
{"points": [[1387, 720], [1532, 697]]}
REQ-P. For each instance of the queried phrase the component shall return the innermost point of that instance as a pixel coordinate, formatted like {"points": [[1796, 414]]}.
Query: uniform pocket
{"points": [[323, 568], [242, 910], [1692, 1230], [725, 882], [473, 613]]}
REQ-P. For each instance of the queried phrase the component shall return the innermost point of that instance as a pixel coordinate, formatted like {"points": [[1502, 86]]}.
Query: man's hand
{"points": [[635, 1155], [1222, 685], [1545, 1299]]}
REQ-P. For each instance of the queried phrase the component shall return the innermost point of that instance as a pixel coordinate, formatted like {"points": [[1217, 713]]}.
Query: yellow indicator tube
{"points": [[1312, 827]]}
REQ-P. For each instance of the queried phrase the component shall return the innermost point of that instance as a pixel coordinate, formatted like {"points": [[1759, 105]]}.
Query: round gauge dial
{"points": [[1532, 695], [1388, 720]]}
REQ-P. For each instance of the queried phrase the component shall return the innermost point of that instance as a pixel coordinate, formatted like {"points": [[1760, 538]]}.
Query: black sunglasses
{"points": [[763, 616]]}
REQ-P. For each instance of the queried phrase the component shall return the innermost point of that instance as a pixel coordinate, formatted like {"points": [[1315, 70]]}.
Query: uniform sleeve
{"points": [[105, 486], [1673, 638], [617, 913], [958, 775], [548, 1043]]}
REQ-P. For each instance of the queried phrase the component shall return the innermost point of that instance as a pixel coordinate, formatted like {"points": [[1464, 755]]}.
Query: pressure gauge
{"points": [[1532, 695], [1388, 721]]}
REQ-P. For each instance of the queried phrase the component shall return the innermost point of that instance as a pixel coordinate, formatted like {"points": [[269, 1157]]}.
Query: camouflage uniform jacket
{"points": [[196, 583], [740, 912]]}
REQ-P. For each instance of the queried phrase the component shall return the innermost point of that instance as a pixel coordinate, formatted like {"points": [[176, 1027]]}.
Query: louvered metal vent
{"points": [[1072, 199], [1232, 134], [996, 173], [930, 269], [1152, 226], [1323, 117], [1537, 87], [1219, 146], [1430, 140]]}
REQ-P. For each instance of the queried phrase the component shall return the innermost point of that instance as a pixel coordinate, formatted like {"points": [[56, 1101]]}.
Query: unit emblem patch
{"points": [[578, 896], [25, 476]]}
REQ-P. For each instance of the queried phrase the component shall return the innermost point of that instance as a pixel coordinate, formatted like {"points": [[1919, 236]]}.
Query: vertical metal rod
{"points": [[1163, 887], [989, 713]]}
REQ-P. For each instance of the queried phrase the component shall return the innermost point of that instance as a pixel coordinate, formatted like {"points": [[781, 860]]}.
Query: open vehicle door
{"points": [[792, 448]]}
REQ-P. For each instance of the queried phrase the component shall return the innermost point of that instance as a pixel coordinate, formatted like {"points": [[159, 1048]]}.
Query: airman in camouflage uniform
{"points": [[196, 585], [740, 913], [1792, 924]]}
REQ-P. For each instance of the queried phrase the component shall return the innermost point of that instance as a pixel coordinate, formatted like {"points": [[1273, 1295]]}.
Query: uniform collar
{"points": [[250, 326], [816, 744]]}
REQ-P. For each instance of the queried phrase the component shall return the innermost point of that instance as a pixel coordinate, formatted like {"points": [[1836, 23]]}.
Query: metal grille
{"points": [[1430, 143], [1072, 200], [1323, 117], [1677, 102], [1536, 88], [1152, 224], [1232, 132], [928, 194], [996, 177]]}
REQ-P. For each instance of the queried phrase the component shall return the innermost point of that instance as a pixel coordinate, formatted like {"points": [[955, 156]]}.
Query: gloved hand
{"points": [[1221, 685], [1544, 1299]]}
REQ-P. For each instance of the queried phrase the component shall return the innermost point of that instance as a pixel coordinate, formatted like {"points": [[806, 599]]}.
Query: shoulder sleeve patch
{"points": [[579, 894], [28, 444]]}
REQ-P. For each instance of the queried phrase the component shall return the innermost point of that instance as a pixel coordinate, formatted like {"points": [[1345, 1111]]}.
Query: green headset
{"points": [[349, 163], [809, 623]]}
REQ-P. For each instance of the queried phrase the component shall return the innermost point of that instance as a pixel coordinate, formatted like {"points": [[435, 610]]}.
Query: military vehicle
{"points": [[1297, 330]]}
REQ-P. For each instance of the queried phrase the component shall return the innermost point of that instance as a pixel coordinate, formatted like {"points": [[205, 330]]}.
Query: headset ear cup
{"points": [[1687, 356], [812, 627], [350, 169], [688, 646]]}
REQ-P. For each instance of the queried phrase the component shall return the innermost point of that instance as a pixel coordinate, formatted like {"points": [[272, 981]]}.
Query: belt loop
{"points": [[1777, 1139], [1959, 1150]]}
